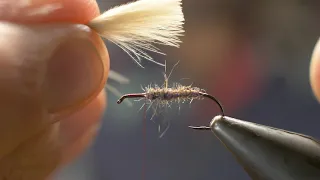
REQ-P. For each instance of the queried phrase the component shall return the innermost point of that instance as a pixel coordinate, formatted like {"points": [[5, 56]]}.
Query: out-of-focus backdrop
{"points": [[252, 55]]}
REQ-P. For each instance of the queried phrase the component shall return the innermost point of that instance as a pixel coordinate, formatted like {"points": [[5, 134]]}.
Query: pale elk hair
{"points": [[136, 26]]}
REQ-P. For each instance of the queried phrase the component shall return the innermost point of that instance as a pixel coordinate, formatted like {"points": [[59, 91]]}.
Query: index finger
{"points": [[39, 11]]}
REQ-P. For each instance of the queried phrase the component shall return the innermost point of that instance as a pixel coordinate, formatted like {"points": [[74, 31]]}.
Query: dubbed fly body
{"points": [[178, 93], [166, 96]]}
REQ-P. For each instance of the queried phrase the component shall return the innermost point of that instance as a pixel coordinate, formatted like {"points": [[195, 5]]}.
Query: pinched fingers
{"points": [[48, 69]]}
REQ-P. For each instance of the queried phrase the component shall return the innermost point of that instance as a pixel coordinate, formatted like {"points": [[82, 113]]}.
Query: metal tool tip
{"points": [[216, 119]]}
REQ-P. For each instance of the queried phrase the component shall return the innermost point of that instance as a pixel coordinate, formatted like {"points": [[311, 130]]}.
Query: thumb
{"points": [[46, 70]]}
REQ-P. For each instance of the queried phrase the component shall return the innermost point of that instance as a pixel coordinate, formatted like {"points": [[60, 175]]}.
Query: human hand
{"points": [[315, 71], [51, 80]]}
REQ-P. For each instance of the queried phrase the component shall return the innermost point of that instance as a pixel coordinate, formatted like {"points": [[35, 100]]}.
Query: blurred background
{"points": [[252, 55]]}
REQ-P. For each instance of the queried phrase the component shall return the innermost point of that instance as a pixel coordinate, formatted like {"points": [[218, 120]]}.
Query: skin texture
{"points": [[51, 85], [315, 71]]}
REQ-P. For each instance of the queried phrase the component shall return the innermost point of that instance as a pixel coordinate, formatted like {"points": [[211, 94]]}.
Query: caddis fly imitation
{"points": [[163, 96]]}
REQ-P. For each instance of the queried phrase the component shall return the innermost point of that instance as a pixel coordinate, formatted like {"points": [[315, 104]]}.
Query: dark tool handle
{"points": [[268, 153]]}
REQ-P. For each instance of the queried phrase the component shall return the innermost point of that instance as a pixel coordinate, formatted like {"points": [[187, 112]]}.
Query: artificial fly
{"points": [[165, 95]]}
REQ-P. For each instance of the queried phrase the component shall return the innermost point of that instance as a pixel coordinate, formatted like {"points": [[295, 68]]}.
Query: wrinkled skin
{"points": [[51, 85]]}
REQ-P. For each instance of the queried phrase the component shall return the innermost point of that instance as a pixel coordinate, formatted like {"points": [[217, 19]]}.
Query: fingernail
{"points": [[74, 74]]}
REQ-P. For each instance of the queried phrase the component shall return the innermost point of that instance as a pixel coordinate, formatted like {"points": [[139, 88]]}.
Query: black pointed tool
{"points": [[268, 153]]}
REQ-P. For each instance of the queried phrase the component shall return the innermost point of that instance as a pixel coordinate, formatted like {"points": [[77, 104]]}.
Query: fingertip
{"points": [[315, 70], [102, 100], [76, 148], [76, 74], [79, 129], [76, 124], [44, 11], [75, 11]]}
